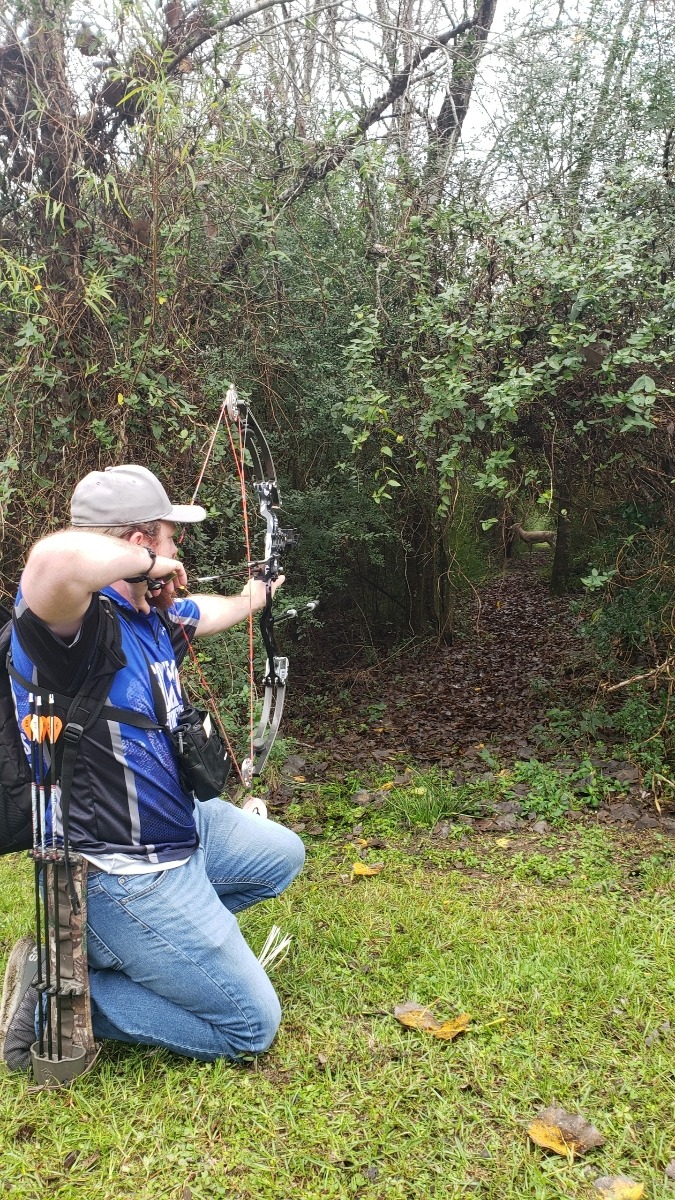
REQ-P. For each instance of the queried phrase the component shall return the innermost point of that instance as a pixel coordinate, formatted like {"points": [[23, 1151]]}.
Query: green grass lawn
{"points": [[562, 951]]}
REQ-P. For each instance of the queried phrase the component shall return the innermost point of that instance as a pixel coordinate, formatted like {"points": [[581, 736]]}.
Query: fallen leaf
{"points": [[70, 1159], [503, 842], [361, 841], [91, 1161], [299, 778], [565, 1133], [619, 1187], [415, 1016], [386, 787], [670, 1170], [450, 1029], [361, 868]]}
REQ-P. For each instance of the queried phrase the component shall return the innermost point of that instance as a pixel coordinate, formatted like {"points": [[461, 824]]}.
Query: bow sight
{"points": [[282, 539]]}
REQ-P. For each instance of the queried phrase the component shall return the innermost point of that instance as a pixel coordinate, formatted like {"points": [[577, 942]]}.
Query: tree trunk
{"points": [[560, 572]]}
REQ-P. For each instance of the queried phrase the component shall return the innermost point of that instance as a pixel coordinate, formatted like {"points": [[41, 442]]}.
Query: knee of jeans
{"points": [[295, 855], [264, 1023]]}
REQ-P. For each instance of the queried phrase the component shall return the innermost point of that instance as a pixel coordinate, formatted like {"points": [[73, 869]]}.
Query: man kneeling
{"points": [[168, 965]]}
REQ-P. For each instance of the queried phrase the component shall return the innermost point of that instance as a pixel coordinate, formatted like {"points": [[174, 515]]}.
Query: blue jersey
{"points": [[126, 797]]}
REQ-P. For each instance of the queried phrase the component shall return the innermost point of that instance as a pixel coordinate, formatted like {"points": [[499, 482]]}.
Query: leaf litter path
{"points": [[517, 657], [484, 698]]}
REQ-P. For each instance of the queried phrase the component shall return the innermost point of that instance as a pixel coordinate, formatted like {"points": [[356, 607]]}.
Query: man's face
{"points": [[164, 543], [165, 547]]}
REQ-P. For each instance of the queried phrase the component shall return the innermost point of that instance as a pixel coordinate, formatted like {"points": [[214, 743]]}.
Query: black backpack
{"points": [[78, 712], [15, 805]]}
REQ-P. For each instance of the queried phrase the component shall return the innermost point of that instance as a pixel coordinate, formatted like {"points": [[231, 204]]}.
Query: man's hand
{"points": [[256, 590], [170, 572]]}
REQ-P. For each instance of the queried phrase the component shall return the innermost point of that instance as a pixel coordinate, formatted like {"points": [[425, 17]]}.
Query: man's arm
{"points": [[64, 570], [217, 613]]}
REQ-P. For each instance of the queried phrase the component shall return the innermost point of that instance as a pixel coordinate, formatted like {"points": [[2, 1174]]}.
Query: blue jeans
{"points": [[168, 963]]}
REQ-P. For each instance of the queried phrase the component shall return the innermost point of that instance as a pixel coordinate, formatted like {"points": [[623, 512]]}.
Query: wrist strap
{"points": [[143, 577]]}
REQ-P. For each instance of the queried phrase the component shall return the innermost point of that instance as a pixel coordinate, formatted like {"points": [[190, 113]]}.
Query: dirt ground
{"points": [[518, 655]]}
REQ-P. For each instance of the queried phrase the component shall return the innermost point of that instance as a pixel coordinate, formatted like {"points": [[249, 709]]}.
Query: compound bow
{"points": [[255, 465]]}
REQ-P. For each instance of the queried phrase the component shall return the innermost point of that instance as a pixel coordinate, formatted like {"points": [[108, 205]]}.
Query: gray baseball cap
{"points": [[126, 495]]}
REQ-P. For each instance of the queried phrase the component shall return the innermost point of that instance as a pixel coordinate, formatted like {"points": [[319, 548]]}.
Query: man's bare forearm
{"points": [[63, 571], [218, 613]]}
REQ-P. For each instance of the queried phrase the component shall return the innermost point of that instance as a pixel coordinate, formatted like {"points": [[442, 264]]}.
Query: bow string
{"points": [[255, 466]]}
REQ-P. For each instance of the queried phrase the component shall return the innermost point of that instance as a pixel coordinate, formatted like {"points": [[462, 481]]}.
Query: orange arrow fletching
{"points": [[30, 728]]}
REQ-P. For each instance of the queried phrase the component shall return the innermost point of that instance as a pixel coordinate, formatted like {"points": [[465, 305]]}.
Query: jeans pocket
{"points": [[135, 887]]}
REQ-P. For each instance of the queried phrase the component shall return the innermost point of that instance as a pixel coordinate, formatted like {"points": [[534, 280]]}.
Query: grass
{"points": [[562, 951]]}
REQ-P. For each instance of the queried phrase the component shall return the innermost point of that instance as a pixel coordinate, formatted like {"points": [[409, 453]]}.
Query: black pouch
{"points": [[203, 761]]}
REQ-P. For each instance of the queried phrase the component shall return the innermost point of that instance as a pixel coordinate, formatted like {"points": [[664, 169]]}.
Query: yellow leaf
{"points": [[480, 746], [361, 868], [548, 1136], [386, 787], [38, 287], [563, 1132], [619, 1187], [161, 299], [361, 841], [415, 1016], [120, 398], [419, 791], [450, 1029], [299, 778], [503, 842]]}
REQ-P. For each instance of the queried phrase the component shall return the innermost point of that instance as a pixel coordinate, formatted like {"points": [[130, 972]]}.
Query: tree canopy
{"points": [[433, 244]]}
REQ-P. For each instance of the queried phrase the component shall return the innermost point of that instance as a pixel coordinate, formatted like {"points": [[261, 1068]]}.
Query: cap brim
{"points": [[185, 514]]}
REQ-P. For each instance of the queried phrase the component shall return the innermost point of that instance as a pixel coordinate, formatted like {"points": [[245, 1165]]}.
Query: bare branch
{"points": [[204, 35], [322, 165]]}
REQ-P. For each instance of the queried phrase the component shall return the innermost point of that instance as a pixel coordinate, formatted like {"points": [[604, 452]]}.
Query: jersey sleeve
{"points": [[183, 618], [62, 665]]}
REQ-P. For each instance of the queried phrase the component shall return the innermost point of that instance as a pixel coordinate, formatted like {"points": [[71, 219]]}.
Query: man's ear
{"points": [[137, 538]]}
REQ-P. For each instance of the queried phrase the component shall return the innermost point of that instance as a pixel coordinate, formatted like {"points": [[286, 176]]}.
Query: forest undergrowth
{"points": [[515, 710]]}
